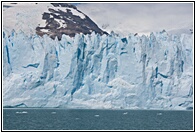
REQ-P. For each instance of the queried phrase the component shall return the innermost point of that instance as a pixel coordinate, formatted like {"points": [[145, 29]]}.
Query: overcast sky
{"points": [[140, 17]]}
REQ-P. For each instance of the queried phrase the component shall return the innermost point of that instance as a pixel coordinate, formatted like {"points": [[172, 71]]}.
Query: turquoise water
{"points": [[83, 119]]}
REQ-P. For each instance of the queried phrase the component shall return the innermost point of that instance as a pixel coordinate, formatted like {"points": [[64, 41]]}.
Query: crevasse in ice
{"points": [[93, 71]]}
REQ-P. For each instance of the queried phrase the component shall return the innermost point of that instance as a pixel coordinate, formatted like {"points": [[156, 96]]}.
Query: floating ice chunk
{"points": [[96, 115], [159, 113], [23, 112], [125, 113], [53, 112], [77, 118]]}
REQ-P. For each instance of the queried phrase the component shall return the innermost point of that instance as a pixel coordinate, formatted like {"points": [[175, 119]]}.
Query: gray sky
{"points": [[140, 17]]}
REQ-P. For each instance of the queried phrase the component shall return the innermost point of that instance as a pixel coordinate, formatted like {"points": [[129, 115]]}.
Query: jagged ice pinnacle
{"points": [[93, 71]]}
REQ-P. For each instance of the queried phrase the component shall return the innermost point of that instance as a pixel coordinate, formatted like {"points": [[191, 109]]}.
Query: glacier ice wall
{"points": [[93, 71]]}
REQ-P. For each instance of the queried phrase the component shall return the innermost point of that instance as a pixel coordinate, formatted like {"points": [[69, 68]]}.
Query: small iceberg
{"points": [[23, 112], [125, 113], [77, 118], [96, 115], [159, 113], [53, 112]]}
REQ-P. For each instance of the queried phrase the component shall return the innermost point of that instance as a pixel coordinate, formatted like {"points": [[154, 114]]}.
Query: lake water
{"points": [[83, 119]]}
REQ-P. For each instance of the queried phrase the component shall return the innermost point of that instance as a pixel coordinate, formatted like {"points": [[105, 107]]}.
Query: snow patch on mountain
{"points": [[24, 16], [76, 13], [53, 19]]}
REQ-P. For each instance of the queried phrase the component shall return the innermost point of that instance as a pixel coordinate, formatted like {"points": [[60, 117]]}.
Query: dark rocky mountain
{"points": [[66, 19]]}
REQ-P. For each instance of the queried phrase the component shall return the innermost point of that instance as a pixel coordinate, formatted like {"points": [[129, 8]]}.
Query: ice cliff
{"points": [[93, 71]]}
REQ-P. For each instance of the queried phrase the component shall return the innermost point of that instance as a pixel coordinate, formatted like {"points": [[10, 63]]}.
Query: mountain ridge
{"points": [[53, 19]]}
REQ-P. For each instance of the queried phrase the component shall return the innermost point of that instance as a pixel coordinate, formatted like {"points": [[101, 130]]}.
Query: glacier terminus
{"points": [[98, 71]]}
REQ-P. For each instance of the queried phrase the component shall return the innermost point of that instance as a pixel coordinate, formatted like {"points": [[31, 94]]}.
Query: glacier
{"points": [[98, 72]]}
